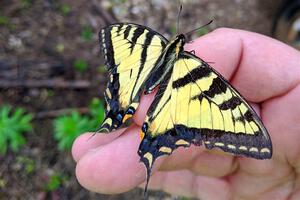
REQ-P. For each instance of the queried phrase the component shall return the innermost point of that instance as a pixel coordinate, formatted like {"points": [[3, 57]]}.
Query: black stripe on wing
{"points": [[106, 43], [149, 37], [217, 87], [232, 103], [194, 75], [137, 33]]}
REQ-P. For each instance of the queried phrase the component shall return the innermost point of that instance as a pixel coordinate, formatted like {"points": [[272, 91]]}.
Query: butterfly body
{"points": [[194, 104], [165, 63]]}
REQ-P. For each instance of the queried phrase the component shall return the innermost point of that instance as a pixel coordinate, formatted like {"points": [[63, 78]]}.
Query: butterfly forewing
{"points": [[131, 52]]}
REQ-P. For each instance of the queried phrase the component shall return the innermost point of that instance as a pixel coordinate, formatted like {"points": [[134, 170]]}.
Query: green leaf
{"points": [[25, 4], [4, 21], [80, 65], [97, 111], [87, 33], [68, 127], [27, 163], [65, 9], [3, 146], [2, 183], [12, 126], [53, 183], [101, 69]]}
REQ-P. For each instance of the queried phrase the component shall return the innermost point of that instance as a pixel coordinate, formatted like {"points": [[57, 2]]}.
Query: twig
{"points": [[55, 113], [107, 17], [49, 83]]}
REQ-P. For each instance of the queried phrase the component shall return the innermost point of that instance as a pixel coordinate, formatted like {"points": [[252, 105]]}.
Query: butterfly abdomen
{"points": [[165, 63]]}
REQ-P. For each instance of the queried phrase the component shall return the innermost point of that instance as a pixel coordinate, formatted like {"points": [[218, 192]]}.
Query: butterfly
{"points": [[194, 103]]}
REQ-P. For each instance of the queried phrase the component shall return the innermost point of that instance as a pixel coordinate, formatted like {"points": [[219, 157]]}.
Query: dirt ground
{"points": [[38, 47]]}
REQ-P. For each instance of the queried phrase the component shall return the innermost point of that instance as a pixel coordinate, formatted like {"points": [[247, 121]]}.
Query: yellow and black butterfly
{"points": [[194, 103]]}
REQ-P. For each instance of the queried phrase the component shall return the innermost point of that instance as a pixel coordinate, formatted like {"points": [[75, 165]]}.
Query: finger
{"points": [[89, 141], [143, 107], [219, 51], [201, 161], [185, 183], [258, 63], [275, 178], [85, 142], [269, 179], [281, 116], [114, 167]]}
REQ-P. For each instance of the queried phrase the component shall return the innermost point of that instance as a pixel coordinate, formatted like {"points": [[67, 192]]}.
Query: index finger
{"points": [[258, 66]]}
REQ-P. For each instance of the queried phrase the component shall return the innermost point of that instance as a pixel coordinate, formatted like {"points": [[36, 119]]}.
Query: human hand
{"points": [[267, 73]]}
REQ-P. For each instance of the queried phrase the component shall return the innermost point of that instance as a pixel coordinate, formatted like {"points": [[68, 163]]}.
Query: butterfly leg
{"points": [[193, 52]]}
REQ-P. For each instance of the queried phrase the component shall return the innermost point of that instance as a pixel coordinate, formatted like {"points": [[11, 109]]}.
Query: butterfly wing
{"points": [[197, 105], [131, 52]]}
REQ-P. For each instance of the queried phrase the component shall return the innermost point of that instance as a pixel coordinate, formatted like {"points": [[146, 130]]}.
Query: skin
{"points": [[267, 73]]}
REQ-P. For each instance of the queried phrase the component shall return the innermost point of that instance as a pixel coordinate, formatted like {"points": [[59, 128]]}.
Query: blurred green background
{"points": [[52, 78]]}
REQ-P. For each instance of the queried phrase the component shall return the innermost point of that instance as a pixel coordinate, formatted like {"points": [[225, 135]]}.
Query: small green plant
{"points": [[54, 182], [80, 65], [101, 69], [97, 113], [87, 33], [68, 127], [60, 47], [4, 21], [12, 125], [50, 92], [25, 4], [27, 163], [65, 9], [2, 183]]}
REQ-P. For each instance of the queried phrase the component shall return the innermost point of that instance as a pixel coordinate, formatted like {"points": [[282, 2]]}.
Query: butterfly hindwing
{"points": [[131, 52], [197, 105]]}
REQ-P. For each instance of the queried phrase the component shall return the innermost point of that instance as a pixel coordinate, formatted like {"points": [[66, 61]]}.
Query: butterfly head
{"points": [[180, 38], [179, 42]]}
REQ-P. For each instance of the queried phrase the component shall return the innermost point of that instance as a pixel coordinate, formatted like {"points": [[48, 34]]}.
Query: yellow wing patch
{"points": [[131, 52], [199, 100]]}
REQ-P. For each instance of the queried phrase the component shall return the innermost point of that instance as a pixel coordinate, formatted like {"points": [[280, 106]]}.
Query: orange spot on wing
{"points": [[127, 116], [142, 135]]}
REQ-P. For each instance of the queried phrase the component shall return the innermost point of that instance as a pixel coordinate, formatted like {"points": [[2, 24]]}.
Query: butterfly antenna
{"points": [[178, 16], [196, 29], [91, 136], [94, 133], [100, 129]]}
